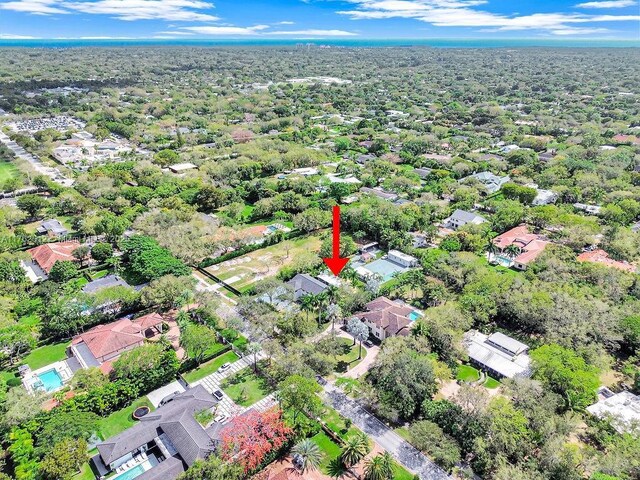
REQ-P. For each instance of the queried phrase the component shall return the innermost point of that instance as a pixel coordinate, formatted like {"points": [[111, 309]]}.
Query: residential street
{"points": [[402, 451]]}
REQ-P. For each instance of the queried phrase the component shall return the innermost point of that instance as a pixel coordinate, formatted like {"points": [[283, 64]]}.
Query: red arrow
{"points": [[336, 264]]}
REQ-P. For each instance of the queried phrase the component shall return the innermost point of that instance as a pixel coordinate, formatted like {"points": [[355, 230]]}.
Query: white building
{"points": [[590, 209], [402, 258], [497, 354], [182, 167], [460, 218], [543, 197], [622, 408]]}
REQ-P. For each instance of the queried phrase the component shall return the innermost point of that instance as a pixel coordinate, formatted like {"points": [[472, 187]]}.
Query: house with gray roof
{"points": [[304, 284], [460, 218], [53, 228], [164, 443], [107, 281], [492, 183]]}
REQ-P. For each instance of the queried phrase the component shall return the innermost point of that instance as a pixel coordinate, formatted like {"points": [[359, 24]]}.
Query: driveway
{"points": [[401, 450], [156, 396]]}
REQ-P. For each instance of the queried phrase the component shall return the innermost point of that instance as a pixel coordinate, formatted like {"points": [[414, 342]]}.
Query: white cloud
{"points": [[174, 32], [173, 10], [286, 23], [38, 7], [314, 32], [227, 30], [459, 13], [11, 36], [608, 4]]}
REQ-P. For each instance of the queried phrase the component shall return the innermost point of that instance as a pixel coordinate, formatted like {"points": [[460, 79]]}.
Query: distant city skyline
{"points": [[318, 19]]}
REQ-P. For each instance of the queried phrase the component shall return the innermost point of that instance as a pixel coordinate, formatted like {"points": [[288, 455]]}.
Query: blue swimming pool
{"points": [[131, 473], [50, 380], [413, 316]]}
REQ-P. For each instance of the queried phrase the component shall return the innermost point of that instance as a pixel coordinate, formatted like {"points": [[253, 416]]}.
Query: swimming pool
{"points": [[131, 473], [413, 316], [49, 380]]}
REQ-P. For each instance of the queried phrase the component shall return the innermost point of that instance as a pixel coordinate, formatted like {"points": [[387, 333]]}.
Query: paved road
{"points": [[402, 451], [37, 165]]}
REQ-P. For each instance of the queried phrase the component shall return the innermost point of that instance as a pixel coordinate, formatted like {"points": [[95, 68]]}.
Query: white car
{"points": [[224, 367]]}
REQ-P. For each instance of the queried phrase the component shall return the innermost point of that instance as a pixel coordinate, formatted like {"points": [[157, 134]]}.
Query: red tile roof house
{"points": [[529, 247], [44, 256], [602, 257], [386, 318], [103, 344]]}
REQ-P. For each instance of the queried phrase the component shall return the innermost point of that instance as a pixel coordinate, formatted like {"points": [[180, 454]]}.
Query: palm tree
{"points": [[512, 250], [492, 250], [306, 304], [307, 455], [379, 468], [355, 449]]}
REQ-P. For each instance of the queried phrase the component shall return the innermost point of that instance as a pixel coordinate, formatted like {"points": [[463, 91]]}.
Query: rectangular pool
{"points": [[131, 473], [413, 316], [49, 380]]}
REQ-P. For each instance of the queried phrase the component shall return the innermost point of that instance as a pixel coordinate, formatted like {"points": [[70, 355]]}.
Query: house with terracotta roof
{"points": [[603, 258], [43, 257], [518, 247], [387, 318], [103, 344]]}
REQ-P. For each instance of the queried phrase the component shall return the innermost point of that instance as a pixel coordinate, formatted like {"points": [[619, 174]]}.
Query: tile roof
{"points": [[602, 257], [49, 253], [110, 338], [149, 320], [531, 245], [388, 315]]}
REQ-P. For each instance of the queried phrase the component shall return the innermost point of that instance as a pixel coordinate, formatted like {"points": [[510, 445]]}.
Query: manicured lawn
{"points": [[215, 348], [337, 422], [399, 473], [7, 170], [121, 420], [349, 357], [98, 274], [404, 433], [467, 373], [43, 356], [85, 473], [209, 367], [330, 450], [491, 383], [246, 387]]}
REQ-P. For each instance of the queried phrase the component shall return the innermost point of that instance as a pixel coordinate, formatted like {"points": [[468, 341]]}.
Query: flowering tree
{"points": [[248, 438]]}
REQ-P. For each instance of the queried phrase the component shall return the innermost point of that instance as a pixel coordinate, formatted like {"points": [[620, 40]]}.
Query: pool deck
{"points": [[62, 367]]}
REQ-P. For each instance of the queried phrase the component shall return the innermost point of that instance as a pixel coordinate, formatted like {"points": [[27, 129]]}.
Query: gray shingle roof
{"points": [[466, 217], [168, 470], [304, 284], [104, 282], [188, 439]]}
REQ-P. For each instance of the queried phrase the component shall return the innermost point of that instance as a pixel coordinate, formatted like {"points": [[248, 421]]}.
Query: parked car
{"points": [[368, 343], [168, 398], [218, 395], [224, 367]]}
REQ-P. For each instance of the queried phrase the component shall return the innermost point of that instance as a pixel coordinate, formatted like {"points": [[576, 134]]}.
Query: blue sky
{"points": [[614, 19]]}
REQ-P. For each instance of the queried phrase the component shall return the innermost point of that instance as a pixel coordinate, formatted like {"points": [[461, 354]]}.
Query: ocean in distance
{"points": [[352, 43]]}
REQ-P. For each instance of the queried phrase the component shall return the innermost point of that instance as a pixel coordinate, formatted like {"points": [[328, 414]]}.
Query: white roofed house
{"points": [[491, 182], [623, 409], [402, 258], [498, 354]]}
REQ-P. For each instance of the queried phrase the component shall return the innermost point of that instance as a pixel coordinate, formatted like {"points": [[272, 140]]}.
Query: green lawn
{"points": [[43, 356], [491, 383], [8, 170], [209, 367], [214, 349], [331, 451], [349, 357], [467, 373], [121, 420], [85, 473], [98, 274], [246, 387], [337, 422]]}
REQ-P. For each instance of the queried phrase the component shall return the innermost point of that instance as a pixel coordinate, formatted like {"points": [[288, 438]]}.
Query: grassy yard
{"points": [[8, 171], [266, 262], [121, 420], [337, 422], [491, 383], [467, 373], [43, 356], [85, 473], [246, 387], [209, 367], [95, 275], [330, 450], [349, 358]]}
